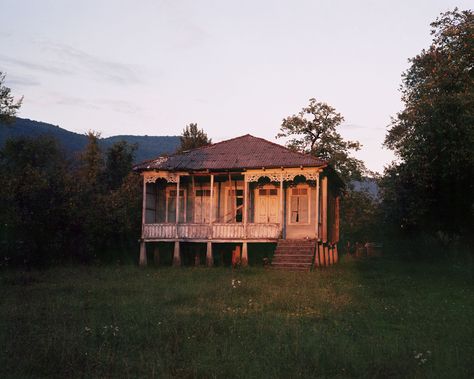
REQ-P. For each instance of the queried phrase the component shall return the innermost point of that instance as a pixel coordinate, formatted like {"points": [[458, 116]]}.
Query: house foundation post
{"points": [[156, 255], [244, 261], [176, 255], [142, 260], [336, 254], [209, 258], [197, 256], [316, 256]]}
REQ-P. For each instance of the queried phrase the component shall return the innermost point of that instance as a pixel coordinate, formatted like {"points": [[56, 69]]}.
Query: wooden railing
{"points": [[223, 231]]}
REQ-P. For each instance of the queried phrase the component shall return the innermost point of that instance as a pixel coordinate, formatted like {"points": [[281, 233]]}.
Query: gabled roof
{"points": [[243, 152]]}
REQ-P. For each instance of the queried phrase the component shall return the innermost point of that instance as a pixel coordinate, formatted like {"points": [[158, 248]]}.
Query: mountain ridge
{"points": [[148, 147]]}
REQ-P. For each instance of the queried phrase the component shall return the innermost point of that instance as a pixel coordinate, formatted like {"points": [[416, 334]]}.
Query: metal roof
{"points": [[244, 152]]}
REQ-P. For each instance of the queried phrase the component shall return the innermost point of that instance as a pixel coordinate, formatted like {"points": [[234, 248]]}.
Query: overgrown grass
{"points": [[378, 318]]}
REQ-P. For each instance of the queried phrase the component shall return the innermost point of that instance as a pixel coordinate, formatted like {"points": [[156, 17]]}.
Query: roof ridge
{"points": [[287, 148], [212, 145]]}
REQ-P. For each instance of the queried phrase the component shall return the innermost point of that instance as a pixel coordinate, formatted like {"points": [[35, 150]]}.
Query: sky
{"points": [[233, 67]]}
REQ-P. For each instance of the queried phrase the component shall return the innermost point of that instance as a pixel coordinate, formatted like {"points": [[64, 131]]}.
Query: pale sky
{"points": [[234, 67]]}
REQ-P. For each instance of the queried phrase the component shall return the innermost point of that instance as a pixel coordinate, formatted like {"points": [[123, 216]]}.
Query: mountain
{"points": [[148, 146], [368, 185]]}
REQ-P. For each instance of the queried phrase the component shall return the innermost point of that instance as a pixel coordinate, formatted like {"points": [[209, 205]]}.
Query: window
{"points": [[171, 206], [299, 205], [234, 205], [202, 204], [267, 205]]}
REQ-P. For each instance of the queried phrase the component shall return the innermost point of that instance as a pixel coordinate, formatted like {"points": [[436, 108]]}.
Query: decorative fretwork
{"points": [[169, 177], [273, 176], [286, 176]]}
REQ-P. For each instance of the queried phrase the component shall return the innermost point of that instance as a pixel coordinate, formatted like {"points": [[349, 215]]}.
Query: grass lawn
{"points": [[373, 318]]}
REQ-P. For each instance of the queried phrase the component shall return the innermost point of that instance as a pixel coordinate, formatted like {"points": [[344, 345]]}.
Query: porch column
{"points": [[324, 210], [317, 207], [245, 213], [143, 205], [142, 261], [176, 255], [244, 261], [282, 210], [211, 207], [177, 206], [142, 257], [209, 258]]}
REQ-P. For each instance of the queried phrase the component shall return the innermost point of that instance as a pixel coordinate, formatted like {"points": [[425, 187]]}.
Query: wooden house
{"points": [[239, 192]]}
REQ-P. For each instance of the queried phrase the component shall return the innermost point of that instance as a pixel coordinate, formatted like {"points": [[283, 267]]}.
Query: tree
{"points": [[119, 162], [313, 131], [8, 105], [192, 138], [33, 201], [429, 189]]}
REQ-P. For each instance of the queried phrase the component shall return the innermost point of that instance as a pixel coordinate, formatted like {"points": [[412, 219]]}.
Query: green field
{"points": [[368, 318]]}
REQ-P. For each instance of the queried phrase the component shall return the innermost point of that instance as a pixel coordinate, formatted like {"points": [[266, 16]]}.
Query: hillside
{"points": [[148, 146]]}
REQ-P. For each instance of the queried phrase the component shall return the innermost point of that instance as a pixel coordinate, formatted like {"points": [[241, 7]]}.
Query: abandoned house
{"points": [[236, 194]]}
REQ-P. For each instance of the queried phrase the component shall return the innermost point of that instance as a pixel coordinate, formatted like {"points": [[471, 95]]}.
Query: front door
{"points": [[267, 205]]}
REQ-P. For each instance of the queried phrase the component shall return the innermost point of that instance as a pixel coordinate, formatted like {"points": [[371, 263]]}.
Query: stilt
{"points": [[197, 256], [209, 258], [176, 255], [326, 255], [236, 256], [156, 255], [321, 255], [336, 254], [142, 260], [316, 256], [331, 255], [245, 258]]}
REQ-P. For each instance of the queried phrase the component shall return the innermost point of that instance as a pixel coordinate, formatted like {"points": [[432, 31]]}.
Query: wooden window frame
{"points": [[290, 196], [168, 195], [226, 201], [266, 187], [206, 188]]}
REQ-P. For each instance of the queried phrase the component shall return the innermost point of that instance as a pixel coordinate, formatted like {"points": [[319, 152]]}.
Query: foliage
{"points": [[33, 214], [373, 318], [53, 209], [193, 138], [360, 215], [8, 105], [313, 131], [429, 188]]}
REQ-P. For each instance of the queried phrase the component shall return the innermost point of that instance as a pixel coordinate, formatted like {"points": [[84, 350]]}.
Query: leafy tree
{"points": [[33, 200], [192, 138], [313, 131], [8, 105], [429, 188], [119, 162]]}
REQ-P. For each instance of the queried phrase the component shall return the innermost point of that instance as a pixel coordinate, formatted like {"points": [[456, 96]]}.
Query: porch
{"points": [[218, 232]]}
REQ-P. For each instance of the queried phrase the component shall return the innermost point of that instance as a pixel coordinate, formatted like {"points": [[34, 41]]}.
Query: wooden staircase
{"points": [[294, 255]]}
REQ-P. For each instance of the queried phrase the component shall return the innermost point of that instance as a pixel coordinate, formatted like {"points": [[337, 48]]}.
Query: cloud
{"points": [[120, 106], [15, 81], [50, 69], [81, 62]]}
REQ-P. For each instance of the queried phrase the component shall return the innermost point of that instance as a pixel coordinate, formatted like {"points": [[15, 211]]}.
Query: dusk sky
{"points": [[234, 67]]}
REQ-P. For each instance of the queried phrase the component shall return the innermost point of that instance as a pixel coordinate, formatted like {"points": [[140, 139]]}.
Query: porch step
{"points": [[294, 255]]}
